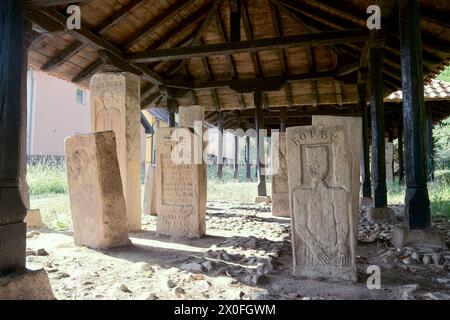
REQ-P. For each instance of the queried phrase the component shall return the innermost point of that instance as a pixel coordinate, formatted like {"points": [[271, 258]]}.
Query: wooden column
{"points": [[377, 117], [220, 145], [367, 184], [429, 142], [417, 203], [283, 120], [172, 107], [259, 122], [401, 166], [247, 158], [12, 105]]}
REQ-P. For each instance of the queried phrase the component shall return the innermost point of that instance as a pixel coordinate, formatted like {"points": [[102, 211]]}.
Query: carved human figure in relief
{"points": [[108, 116], [321, 215]]}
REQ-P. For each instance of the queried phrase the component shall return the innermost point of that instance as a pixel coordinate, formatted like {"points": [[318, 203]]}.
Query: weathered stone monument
{"points": [[181, 187], [280, 186], [323, 223], [389, 161], [115, 106], [188, 115], [150, 191], [34, 218], [353, 136], [95, 188]]}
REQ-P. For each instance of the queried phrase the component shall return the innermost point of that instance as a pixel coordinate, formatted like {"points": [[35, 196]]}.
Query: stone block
{"points": [[97, 201], [180, 184], [378, 214], [12, 247], [34, 218], [26, 285], [263, 199], [320, 194], [115, 106], [427, 238], [280, 186], [150, 191]]}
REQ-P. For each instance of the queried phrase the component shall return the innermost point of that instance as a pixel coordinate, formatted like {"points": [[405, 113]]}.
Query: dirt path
{"points": [[246, 255]]}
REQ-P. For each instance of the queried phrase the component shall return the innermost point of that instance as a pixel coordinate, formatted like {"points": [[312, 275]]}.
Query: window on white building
{"points": [[81, 96]]}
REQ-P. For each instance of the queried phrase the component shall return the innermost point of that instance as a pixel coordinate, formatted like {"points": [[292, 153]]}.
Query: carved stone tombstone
{"points": [[323, 236], [389, 161], [150, 191], [188, 116], [95, 188], [115, 105], [280, 186], [353, 134], [181, 187]]}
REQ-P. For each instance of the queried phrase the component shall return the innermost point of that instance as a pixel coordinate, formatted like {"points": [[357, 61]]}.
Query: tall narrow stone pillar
{"points": [[259, 121], [115, 105], [389, 156], [367, 187], [379, 210], [219, 145]]}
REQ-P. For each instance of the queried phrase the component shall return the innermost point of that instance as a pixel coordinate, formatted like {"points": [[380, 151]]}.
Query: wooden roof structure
{"points": [[303, 54]]}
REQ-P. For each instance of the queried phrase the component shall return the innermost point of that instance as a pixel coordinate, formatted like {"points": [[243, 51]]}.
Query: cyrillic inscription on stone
{"points": [[323, 236]]}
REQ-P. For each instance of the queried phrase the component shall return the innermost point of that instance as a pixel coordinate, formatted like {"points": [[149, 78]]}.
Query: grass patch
{"points": [[48, 191], [439, 192], [46, 179]]}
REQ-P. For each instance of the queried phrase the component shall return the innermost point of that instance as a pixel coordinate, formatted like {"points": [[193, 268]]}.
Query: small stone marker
{"points": [[34, 219], [97, 202], [150, 191]]}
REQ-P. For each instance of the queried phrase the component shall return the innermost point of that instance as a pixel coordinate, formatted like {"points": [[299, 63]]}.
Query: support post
{"points": [[417, 202], [417, 232], [172, 107], [429, 142], [12, 68], [401, 166], [283, 120], [236, 156], [379, 210], [220, 145], [247, 158], [367, 187], [259, 121]]}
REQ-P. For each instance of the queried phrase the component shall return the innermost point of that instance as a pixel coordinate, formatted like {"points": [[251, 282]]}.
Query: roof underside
{"points": [[314, 77]]}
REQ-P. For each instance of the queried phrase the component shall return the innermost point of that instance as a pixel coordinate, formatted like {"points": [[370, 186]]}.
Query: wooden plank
{"points": [[53, 3], [154, 23], [305, 40]]}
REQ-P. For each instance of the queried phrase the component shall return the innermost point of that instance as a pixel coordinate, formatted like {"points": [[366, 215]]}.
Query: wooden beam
{"points": [[249, 85], [53, 3], [148, 27], [229, 57], [235, 20], [194, 18], [305, 40]]}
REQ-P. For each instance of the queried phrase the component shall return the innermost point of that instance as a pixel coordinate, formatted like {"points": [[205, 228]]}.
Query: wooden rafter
{"points": [[305, 40]]}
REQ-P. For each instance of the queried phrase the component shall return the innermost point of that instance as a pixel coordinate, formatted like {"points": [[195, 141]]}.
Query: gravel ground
{"points": [[245, 255]]}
